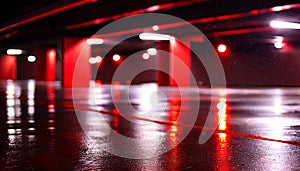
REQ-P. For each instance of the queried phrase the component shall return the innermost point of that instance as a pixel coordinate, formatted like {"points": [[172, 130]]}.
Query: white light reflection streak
{"points": [[222, 115], [51, 98], [274, 128], [277, 105], [30, 95], [13, 93], [151, 102]]}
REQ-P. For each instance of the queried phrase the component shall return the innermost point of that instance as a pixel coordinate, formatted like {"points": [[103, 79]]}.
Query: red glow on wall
{"points": [[8, 65], [75, 63], [177, 72], [222, 144], [50, 65], [175, 107]]}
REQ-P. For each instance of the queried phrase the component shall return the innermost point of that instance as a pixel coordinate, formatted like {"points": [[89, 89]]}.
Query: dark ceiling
{"points": [[34, 23]]}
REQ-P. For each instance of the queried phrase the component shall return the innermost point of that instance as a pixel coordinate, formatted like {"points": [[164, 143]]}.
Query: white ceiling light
{"points": [[152, 51], [94, 41], [98, 59], [155, 27], [31, 58], [146, 56], [154, 36], [284, 25], [14, 51], [92, 60]]}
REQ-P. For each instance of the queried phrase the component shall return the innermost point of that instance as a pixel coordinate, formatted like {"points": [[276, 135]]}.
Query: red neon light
{"points": [[42, 15], [140, 11]]}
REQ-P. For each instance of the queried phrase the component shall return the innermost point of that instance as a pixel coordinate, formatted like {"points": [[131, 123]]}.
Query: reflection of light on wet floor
{"points": [[222, 137], [51, 128], [274, 127], [222, 115], [51, 108], [13, 93], [149, 102], [30, 95], [277, 107], [173, 131], [222, 144], [148, 97]]}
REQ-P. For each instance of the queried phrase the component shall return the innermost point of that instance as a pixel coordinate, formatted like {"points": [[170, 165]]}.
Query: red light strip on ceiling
{"points": [[196, 21], [240, 31], [140, 11], [45, 13]]}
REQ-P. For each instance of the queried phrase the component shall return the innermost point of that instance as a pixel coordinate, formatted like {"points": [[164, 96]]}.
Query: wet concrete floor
{"points": [[46, 127]]}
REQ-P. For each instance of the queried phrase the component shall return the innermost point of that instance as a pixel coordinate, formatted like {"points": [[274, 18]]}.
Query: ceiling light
{"points": [[284, 25], [14, 51], [152, 51], [94, 41], [222, 48], [155, 27], [31, 58], [116, 57], [146, 56], [92, 60], [98, 59], [154, 36]]}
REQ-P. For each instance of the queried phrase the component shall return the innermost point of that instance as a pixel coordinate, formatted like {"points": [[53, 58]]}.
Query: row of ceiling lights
{"points": [[279, 41], [117, 58]]}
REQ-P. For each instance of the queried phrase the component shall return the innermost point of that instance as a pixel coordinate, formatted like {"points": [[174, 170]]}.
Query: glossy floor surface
{"points": [[46, 127]]}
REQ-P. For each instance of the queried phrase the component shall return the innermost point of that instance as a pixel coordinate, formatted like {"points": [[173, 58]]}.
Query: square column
{"points": [[76, 70]]}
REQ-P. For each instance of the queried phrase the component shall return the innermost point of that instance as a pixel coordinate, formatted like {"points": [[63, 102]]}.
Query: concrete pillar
{"points": [[40, 64], [8, 65], [163, 64], [75, 63], [50, 64], [180, 51]]}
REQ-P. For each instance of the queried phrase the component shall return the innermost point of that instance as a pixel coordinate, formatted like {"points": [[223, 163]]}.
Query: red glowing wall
{"points": [[8, 67], [75, 55], [177, 71], [50, 65]]}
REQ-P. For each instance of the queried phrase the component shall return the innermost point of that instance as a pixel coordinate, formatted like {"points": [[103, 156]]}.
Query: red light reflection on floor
{"points": [[222, 152], [175, 107]]}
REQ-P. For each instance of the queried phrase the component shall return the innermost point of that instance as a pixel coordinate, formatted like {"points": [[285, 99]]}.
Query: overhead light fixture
{"points": [[146, 56], [92, 60], [14, 51], [94, 41], [116, 57], [284, 25], [153, 8], [155, 27], [152, 51], [98, 59], [222, 48], [154, 36], [31, 58]]}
